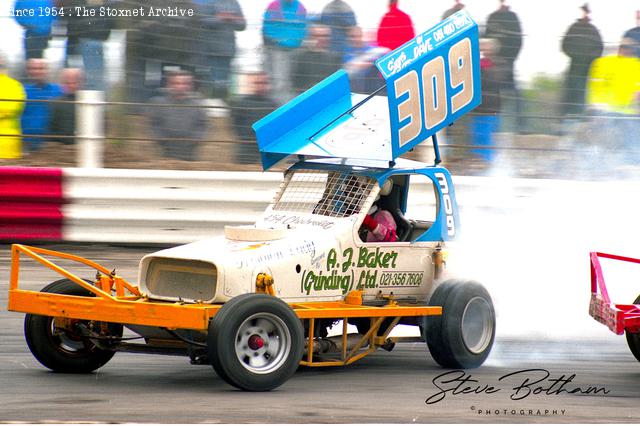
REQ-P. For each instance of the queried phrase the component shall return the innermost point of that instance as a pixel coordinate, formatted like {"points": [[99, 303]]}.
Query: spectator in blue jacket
{"points": [[340, 18], [37, 28], [219, 21], [284, 29], [36, 118], [360, 63]]}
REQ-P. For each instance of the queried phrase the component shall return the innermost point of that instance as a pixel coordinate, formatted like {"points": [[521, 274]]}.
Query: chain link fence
{"points": [[208, 127]]}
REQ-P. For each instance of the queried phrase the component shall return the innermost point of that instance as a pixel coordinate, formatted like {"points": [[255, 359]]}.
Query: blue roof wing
{"points": [[287, 130]]}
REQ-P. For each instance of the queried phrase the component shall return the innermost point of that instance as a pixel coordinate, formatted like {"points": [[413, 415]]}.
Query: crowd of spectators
{"points": [[193, 58]]}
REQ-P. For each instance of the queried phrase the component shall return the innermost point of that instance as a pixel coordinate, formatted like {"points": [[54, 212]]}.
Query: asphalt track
{"points": [[383, 388]]}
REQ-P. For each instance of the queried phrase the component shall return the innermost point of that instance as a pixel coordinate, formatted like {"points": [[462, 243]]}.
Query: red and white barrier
{"points": [[31, 201], [172, 207], [127, 206]]}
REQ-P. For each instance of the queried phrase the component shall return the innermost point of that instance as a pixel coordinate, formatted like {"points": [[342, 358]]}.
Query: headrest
{"points": [[386, 188]]}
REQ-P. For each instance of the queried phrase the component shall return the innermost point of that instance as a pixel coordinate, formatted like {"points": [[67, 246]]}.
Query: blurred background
{"points": [[182, 91]]}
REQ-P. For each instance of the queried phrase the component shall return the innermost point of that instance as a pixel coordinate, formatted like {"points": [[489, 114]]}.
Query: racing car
{"points": [[266, 298], [619, 318]]}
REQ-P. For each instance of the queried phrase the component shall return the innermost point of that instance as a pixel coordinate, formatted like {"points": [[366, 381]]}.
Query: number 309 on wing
{"points": [[432, 80]]}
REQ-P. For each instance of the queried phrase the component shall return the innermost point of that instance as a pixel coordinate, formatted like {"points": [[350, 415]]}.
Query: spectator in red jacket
{"points": [[396, 27]]}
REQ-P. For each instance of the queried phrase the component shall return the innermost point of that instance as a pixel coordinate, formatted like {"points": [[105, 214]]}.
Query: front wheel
{"points": [[62, 344], [463, 335], [633, 339], [255, 342]]}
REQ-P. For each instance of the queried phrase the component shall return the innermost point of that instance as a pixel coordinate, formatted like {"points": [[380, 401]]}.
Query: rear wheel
{"points": [[62, 344], [463, 335], [255, 342], [633, 339]]}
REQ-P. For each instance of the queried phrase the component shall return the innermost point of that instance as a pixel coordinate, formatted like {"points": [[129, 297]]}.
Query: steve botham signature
{"points": [[535, 381]]}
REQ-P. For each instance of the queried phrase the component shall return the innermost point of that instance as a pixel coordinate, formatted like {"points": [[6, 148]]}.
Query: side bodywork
{"points": [[313, 255]]}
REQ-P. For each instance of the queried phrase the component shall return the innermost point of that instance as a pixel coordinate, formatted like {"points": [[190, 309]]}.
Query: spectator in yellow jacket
{"points": [[613, 94], [614, 81], [12, 98]]}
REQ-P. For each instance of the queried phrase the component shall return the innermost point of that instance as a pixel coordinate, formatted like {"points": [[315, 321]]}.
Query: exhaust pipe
{"points": [[323, 345]]}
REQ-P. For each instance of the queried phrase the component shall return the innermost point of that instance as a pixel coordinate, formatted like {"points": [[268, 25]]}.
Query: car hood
{"points": [[275, 245]]}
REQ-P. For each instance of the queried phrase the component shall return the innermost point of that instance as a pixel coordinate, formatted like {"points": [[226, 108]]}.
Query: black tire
{"points": [[463, 335], [255, 342], [434, 323], [64, 351], [633, 339]]}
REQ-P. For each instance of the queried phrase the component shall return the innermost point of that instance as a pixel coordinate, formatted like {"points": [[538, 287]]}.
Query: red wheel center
{"points": [[255, 342]]}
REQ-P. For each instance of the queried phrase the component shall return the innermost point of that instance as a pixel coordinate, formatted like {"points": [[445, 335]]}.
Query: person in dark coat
{"points": [[168, 40], [582, 43], [86, 36], [457, 7], [246, 110], [315, 62], [218, 20], [180, 129], [504, 26], [634, 34], [63, 114]]}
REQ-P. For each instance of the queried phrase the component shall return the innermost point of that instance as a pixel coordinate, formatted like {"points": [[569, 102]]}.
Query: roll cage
{"points": [[445, 226]]}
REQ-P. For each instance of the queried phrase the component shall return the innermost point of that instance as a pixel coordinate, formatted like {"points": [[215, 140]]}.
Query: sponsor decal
{"points": [[285, 219], [358, 269], [448, 204]]}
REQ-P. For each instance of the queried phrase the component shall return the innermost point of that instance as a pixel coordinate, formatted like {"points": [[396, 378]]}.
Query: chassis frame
{"points": [[118, 301]]}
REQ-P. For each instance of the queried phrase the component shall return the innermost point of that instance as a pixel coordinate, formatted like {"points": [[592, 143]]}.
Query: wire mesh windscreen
{"points": [[331, 194]]}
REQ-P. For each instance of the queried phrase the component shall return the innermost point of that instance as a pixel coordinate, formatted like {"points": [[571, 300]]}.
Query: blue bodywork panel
{"points": [[432, 81], [288, 129]]}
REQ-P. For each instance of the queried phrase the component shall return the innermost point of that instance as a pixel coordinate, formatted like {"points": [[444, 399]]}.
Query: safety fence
{"points": [[169, 207], [105, 136]]}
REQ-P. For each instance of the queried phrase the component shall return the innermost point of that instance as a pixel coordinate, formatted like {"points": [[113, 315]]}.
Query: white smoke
{"points": [[528, 241]]}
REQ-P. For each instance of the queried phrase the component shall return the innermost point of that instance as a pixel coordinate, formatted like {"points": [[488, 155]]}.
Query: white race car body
{"points": [[313, 251]]}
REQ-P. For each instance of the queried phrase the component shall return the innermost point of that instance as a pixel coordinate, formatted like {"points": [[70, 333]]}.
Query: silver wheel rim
{"points": [[477, 325], [66, 342], [263, 343]]}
